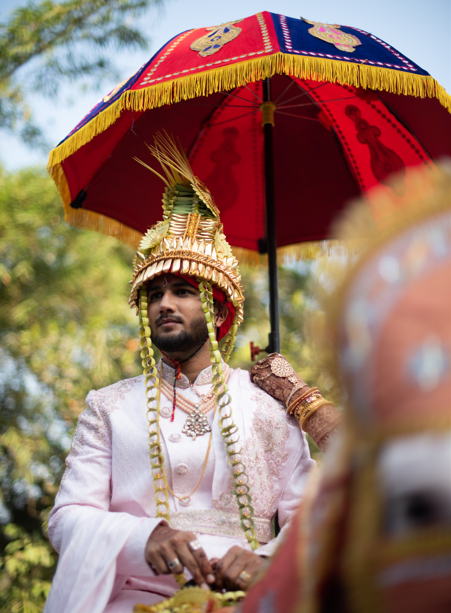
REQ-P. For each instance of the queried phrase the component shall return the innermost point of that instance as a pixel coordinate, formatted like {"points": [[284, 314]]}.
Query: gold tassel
{"points": [[311, 250], [83, 218], [229, 77]]}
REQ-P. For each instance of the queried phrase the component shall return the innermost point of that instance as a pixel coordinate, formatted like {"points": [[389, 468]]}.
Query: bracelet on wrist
{"points": [[310, 395], [308, 403], [304, 414], [299, 385]]}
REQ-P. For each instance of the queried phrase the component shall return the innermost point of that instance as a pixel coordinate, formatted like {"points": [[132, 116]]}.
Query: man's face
{"points": [[175, 313]]}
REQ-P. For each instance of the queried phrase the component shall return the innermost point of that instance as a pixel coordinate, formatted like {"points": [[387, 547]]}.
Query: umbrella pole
{"points": [[271, 235]]}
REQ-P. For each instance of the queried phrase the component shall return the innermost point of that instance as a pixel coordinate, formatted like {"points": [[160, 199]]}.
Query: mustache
{"points": [[163, 319]]}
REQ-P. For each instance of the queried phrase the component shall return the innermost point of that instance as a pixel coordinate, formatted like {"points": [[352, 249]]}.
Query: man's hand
{"points": [[166, 546], [236, 569]]}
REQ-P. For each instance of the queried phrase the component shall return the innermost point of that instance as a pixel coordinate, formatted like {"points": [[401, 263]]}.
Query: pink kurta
{"points": [[105, 509]]}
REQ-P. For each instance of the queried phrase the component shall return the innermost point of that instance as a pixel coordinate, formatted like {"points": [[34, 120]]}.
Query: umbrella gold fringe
{"points": [[226, 78], [310, 250], [82, 218], [57, 174]]}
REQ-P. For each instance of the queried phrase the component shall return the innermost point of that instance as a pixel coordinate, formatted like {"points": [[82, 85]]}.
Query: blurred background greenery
{"points": [[65, 324]]}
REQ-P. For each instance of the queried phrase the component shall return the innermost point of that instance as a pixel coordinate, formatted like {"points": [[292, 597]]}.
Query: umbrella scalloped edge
{"points": [[242, 73]]}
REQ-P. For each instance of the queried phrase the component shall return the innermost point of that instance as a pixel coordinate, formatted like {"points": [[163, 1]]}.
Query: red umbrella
{"points": [[341, 110]]}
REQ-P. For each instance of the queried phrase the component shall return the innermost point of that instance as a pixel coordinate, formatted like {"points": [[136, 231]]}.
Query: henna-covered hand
{"points": [[275, 375]]}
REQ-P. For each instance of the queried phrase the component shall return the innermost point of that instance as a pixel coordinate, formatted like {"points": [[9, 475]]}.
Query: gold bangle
{"points": [[304, 415], [309, 408], [311, 392], [296, 388], [314, 392]]}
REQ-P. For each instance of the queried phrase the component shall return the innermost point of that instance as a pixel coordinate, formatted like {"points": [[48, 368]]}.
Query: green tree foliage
{"points": [[65, 328], [47, 44]]}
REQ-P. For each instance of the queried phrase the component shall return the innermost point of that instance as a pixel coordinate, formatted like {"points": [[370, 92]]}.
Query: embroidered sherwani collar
{"points": [[205, 376]]}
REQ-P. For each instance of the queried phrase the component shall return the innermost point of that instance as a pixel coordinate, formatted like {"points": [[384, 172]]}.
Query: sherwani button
{"points": [[181, 469], [165, 412], [175, 438]]}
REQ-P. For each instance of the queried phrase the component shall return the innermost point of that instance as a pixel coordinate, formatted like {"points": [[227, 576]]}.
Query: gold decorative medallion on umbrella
{"points": [[219, 36]]}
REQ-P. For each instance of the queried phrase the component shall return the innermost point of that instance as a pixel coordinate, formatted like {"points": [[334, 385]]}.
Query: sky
{"points": [[420, 30]]}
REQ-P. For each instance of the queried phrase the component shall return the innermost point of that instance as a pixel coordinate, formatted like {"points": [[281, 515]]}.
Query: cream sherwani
{"points": [[105, 509]]}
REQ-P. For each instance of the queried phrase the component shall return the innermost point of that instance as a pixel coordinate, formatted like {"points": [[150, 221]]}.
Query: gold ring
{"points": [[244, 576]]}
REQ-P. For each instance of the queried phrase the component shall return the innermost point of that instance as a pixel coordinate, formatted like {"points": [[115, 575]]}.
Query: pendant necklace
{"points": [[197, 422], [184, 501]]}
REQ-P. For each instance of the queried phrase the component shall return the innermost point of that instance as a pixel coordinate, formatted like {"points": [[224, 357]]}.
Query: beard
{"points": [[179, 342]]}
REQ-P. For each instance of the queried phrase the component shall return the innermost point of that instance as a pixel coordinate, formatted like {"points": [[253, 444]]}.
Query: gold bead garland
{"points": [[229, 431], [152, 385], [187, 406]]}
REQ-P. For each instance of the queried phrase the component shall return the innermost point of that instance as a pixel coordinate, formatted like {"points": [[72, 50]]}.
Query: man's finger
{"points": [[213, 562], [202, 560], [242, 571], [158, 561], [232, 573], [189, 561], [223, 565], [236, 574], [171, 559]]}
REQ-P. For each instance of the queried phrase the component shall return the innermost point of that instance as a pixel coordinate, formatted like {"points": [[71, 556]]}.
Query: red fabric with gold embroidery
{"points": [[333, 140]]}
